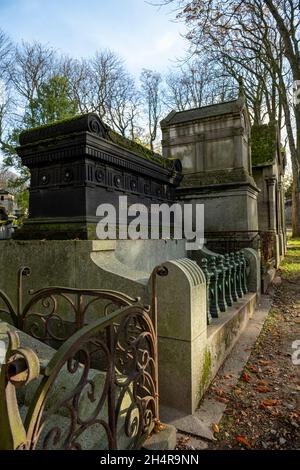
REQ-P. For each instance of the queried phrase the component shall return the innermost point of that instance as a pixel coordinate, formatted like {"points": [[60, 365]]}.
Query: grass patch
{"points": [[291, 264], [293, 241]]}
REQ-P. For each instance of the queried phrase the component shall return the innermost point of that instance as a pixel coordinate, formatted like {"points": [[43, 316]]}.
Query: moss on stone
{"points": [[52, 124], [218, 177], [263, 143], [49, 140], [206, 369], [56, 231], [137, 148], [111, 136]]}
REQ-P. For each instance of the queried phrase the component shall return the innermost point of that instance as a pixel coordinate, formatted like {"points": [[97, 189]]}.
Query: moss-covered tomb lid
{"points": [[91, 122]]}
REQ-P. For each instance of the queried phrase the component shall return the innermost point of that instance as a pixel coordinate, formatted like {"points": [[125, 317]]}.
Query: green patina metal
{"points": [[243, 272], [239, 270], [214, 288], [233, 264], [221, 284], [228, 267], [226, 281], [208, 275]]}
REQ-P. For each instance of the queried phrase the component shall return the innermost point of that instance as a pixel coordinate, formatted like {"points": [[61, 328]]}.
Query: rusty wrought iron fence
{"points": [[54, 313], [100, 387]]}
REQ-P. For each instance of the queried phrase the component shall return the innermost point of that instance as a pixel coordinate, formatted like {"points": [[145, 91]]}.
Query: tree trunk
{"points": [[295, 157], [296, 178], [296, 203]]}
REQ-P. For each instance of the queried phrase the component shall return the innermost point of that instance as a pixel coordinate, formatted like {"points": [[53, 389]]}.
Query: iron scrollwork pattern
{"points": [[53, 314], [98, 390]]}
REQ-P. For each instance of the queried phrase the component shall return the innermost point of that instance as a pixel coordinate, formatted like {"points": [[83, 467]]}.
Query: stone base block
{"points": [[163, 440], [227, 208], [221, 337]]}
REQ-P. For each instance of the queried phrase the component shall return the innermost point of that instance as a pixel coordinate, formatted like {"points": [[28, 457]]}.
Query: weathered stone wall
{"points": [[123, 265]]}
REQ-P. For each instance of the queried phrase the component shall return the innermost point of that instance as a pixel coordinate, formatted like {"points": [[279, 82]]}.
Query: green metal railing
{"points": [[226, 279]]}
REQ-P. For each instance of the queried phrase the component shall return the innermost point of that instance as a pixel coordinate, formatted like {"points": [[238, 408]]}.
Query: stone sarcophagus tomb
{"points": [[77, 164]]}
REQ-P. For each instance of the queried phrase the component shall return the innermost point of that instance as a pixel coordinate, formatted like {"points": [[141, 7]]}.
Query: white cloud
{"points": [[167, 41], [140, 33]]}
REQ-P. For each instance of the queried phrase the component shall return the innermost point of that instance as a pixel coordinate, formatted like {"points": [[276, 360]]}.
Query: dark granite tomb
{"points": [[78, 164]]}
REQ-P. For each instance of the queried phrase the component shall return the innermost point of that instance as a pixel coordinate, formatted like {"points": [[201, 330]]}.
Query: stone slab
{"points": [[163, 440], [192, 443]]}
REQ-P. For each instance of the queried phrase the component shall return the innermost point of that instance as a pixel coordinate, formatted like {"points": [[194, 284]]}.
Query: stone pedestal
{"points": [[184, 362], [227, 207]]}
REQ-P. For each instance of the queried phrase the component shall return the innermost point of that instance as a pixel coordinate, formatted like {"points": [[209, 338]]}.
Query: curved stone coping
{"points": [[191, 269]]}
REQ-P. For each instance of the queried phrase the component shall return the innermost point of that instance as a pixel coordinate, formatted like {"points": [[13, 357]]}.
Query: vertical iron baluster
{"points": [[227, 264], [221, 284], [214, 303], [234, 293], [244, 272], [111, 396], [238, 274], [208, 275]]}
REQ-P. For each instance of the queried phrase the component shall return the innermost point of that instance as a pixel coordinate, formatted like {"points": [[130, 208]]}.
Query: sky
{"points": [[144, 35]]}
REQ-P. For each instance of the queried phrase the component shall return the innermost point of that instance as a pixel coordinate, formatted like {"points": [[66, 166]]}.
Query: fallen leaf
{"points": [[263, 389], [222, 400], [267, 403], [253, 369], [246, 377], [242, 440], [262, 382], [270, 371], [159, 427], [264, 362], [215, 428]]}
